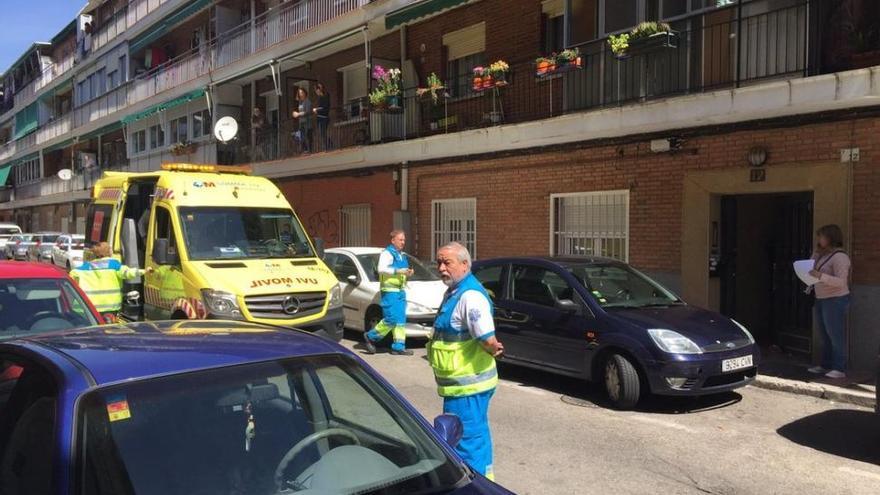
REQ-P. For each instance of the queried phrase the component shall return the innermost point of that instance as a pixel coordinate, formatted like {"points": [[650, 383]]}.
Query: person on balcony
{"points": [[322, 114], [303, 116], [258, 125]]}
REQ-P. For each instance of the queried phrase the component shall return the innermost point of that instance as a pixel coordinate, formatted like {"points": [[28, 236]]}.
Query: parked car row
{"points": [[64, 250], [592, 318]]}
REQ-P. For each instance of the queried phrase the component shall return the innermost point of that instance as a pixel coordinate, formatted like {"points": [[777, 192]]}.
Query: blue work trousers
{"points": [[476, 443]]}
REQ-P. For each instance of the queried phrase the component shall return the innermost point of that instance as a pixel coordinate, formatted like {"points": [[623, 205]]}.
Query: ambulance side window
{"points": [[164, 227], [98, 223]]}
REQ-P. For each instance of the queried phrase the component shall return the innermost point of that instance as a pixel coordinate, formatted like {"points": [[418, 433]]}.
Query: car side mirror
{"points": [[319, 247], [162, 253], [567, 306], [353, 280], [450, 428]]}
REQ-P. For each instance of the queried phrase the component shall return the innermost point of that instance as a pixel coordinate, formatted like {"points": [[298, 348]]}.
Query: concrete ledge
{"points": [[821, 391]]}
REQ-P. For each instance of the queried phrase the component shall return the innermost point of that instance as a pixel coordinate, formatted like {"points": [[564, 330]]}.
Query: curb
{"points": [[817, 390]]}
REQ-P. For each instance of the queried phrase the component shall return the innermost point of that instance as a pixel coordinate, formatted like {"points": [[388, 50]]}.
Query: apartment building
{"points": [[706, 158]]}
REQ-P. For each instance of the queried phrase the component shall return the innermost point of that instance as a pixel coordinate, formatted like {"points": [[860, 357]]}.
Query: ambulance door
{"points": [[164, 286]]}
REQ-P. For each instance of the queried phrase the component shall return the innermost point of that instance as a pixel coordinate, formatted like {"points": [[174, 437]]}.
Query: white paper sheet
{"points": [[802, 269]]}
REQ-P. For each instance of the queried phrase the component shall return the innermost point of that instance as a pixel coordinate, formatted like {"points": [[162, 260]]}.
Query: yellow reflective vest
{"points": [[101, 280]]}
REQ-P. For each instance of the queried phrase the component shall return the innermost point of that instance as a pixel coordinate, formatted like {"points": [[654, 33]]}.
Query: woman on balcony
{"points": [[322, 114], [303, 115]]}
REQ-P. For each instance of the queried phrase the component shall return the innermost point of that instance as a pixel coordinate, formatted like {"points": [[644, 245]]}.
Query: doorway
{"points": [[761, 235]]}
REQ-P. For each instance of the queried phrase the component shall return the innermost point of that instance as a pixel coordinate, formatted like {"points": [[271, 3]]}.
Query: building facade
{"points": [[706, 156]]}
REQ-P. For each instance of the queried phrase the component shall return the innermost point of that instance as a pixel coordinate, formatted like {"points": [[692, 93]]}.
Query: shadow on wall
{"points": [[850, 433]]}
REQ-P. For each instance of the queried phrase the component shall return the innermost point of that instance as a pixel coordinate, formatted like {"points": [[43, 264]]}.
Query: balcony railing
{"points": [[106, 104], [183, 69], [50, 74], [125, 18], [54, 128]]}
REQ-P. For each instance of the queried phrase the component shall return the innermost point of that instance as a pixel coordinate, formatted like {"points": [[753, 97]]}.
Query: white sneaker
{"points": [[817, 370], [835, 374]]}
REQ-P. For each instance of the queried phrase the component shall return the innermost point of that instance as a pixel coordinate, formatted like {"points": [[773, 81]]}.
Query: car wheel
{"points": [[373, 317], [621, 382]]}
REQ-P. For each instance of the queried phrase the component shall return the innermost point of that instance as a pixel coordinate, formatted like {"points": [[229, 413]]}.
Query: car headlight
{"points": [[673, 342], [335, 297], [416, 308], [221, 303], [745, 331]]}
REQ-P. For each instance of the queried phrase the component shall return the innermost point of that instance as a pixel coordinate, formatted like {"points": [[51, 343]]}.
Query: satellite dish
{"points": [[225, 129], [65, 174]]}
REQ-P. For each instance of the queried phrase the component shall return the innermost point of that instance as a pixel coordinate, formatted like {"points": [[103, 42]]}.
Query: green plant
{"points": [[569, 55], [645, 29], [434, 84], [619, 43], [377, 97]]}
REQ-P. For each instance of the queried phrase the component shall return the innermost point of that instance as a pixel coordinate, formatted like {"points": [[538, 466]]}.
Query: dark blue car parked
{"points": [[600, 319], [211, 407]]}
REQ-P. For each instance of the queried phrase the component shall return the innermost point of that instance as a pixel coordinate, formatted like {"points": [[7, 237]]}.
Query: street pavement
{"points": [[556, 436]]}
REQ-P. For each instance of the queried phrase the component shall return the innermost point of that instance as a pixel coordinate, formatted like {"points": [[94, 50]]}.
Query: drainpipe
{"points": [[404, 189]]}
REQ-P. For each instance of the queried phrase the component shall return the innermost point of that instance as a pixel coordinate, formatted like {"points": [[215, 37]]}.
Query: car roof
{"points": [[113, 353], [23, 269], [357, 250], [558, 260]]}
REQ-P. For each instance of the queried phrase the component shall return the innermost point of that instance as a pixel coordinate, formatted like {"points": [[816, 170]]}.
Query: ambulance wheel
{"points": [[621, 382]]}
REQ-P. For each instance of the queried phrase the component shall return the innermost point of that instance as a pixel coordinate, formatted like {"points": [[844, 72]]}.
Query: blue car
{"points": [[211, 407], [599, 319]]}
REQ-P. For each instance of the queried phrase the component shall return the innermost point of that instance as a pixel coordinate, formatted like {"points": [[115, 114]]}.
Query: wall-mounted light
{"points": [[757, 156]]}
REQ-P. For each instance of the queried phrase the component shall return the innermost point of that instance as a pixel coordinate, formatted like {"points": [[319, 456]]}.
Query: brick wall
{"points": [[513, 192], [317, 202]]}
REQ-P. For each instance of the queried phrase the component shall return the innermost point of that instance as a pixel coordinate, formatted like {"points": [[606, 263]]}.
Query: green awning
{"points": [[26, 121], [58, 146], [418, 10], [163, 26], [101, 131], [192, 95], [4, 174]]}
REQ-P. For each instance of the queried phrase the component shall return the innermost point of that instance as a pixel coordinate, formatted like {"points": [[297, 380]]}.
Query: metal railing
{"points": [[49, 74], [114, 100], [125, 18], [54, 128]]}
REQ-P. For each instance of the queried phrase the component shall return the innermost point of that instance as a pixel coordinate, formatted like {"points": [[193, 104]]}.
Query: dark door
{"points": [[791, 308], [540, 333]]}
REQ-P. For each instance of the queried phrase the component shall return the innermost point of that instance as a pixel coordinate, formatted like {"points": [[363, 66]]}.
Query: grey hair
{"points": [[396, 232], [461, 252]]}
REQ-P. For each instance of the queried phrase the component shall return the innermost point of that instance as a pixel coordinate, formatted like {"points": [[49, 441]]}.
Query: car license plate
{"points": [[736, 363]]}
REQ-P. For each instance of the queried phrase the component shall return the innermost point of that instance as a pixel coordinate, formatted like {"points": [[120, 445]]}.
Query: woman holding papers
{"points": [[832, 269]]}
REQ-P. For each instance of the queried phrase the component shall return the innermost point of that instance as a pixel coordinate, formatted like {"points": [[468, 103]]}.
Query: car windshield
{"points": [[32, 306], [316, 425], [223, 233], [421, 273], [8, 231], [619, 286]]}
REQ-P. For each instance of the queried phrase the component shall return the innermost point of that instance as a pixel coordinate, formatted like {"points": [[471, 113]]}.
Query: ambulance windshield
{"points": [[213, 233]]}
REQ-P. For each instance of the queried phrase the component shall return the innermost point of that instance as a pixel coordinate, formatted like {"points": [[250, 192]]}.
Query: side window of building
{"points": [[354, 88], [139, 142], [28, 397], [157, 137], [553, 18], [492, 279], [179, 130], [464, 49]]}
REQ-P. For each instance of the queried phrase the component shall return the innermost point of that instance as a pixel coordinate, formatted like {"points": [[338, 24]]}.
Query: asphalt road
{"points": [[556, 436]]}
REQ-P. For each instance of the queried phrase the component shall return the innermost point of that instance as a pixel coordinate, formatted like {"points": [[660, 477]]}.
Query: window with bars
{"points": [[354, 221], [454, 220], [590, 224], [27, 171]]}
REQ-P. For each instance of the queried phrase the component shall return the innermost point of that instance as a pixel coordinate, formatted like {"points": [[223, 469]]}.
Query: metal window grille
{"points": [[590, 224], [454, 220], [355, 223]]}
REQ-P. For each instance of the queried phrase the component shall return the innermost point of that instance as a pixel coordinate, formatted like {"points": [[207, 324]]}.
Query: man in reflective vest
{"points": [[462, 353], [101, 279], [393, 270]]}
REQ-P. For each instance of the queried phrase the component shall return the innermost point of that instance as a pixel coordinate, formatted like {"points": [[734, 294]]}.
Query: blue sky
{"points": [[29, 21]]}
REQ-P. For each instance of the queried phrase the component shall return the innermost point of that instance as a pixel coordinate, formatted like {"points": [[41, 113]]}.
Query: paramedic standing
{"points": [[393, 270], [101, 279], [462, 353]]}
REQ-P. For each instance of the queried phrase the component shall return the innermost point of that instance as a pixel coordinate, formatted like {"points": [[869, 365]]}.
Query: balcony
{"points": [[102, 106], [54, 128], [53, 185], [769, 46], [52, 73], [131, 14]]}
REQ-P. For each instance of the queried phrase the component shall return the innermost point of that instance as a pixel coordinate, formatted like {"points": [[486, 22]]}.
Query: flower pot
{"points": [[542, 67], [488, 82], [478, 82], [501, 79], [392, 101]]}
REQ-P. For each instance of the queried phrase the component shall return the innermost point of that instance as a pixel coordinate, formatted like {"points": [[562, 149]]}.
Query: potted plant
{"points": [[645, 38], [183, 148], [545, 65], [498, 70], [434, 84], [569, 59], [387, 91], [479, 74]]}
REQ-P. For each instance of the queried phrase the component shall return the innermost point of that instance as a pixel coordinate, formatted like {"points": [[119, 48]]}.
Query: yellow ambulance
{"points": [[222, 244]]}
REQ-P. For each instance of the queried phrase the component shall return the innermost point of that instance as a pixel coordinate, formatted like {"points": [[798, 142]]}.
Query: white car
{"points": [[68, 251], [18, 245], [355, 267], [7, 230]]}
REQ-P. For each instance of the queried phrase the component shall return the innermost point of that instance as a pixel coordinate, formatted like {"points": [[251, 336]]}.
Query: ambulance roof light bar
{"points": [[200, 167]]}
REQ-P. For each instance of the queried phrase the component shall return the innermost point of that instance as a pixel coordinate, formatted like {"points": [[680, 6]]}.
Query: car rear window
{"points": [[33, 306]]}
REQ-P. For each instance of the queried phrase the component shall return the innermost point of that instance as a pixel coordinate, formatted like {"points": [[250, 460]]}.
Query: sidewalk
{"points": [[788, 373]]}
